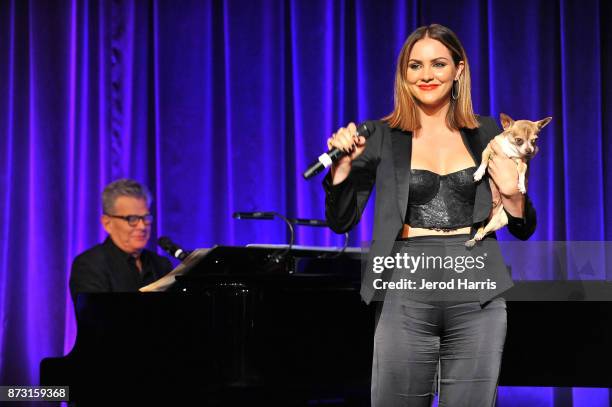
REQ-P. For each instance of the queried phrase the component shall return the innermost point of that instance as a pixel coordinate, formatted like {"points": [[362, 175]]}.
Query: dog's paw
{"points": [[479, 174], [477, 238]]}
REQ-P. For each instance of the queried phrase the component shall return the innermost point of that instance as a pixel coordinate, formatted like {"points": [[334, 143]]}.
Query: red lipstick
{"points": [[428, 87]]}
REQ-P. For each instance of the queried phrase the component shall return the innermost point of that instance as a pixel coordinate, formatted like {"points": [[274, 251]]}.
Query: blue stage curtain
{"points": [[219, 106]]}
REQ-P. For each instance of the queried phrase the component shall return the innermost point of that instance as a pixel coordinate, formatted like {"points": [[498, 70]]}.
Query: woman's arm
{"points": [[521, 226], [346, 200], [503, 171]]}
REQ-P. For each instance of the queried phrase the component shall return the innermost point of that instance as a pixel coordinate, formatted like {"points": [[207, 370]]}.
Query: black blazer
{"points": [[106, 268], [386, 163]]}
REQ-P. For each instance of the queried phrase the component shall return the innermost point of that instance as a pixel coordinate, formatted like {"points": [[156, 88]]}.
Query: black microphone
{"points": [[333, 155], [254, 215], [308, 222], [172, 249]]}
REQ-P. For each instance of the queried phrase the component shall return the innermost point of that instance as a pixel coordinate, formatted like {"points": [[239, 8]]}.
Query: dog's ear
{"points": [[543, 122], [506, 121]]}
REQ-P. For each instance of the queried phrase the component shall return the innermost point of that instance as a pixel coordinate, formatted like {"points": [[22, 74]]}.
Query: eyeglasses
{"points": [[133, 220]]}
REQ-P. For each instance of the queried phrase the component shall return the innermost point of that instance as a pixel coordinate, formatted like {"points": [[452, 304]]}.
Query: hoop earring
{"points": [[455, 90]]}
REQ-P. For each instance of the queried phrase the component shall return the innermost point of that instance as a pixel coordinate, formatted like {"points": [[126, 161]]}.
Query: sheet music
{"points": [[166, 281]]}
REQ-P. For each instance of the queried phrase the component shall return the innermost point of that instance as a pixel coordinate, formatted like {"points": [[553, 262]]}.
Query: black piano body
{"points": [[246, 326]]}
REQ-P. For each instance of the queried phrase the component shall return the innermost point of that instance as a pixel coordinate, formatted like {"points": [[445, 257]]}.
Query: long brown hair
{"points": [[460, 112]]}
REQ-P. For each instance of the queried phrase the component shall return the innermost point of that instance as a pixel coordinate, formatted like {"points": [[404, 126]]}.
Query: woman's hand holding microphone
{"points": [[347, 140]]}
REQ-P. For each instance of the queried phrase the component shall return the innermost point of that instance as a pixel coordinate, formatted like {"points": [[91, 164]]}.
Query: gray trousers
{"points": [[462, 342]]}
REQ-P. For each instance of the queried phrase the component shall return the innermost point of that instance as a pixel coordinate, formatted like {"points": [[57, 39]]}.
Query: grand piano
{"points": [[264, 326]]}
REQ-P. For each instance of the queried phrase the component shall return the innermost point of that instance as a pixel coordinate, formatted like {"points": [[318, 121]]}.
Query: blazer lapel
{"points": [[482, 203], [402, 156]]}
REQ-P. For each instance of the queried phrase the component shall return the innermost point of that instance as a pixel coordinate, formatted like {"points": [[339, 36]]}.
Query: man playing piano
{"points": [[121, 263]]}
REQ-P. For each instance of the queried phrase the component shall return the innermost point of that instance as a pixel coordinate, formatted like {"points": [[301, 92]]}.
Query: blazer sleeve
{"points": [[521, 228], [87, 276], [345, 202]]}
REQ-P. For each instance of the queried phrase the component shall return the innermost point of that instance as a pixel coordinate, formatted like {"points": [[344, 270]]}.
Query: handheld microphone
{"points": [[333, 155], [172, 249]]}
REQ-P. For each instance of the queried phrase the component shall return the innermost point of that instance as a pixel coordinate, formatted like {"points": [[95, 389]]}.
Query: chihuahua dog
{"points": [[518, 142]]}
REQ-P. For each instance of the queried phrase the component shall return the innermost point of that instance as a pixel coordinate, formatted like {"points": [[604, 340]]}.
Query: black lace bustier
{"points": [[441, 202]]}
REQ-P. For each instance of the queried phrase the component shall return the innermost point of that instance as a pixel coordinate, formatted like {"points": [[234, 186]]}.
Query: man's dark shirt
{"points": [[106, 268]]}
